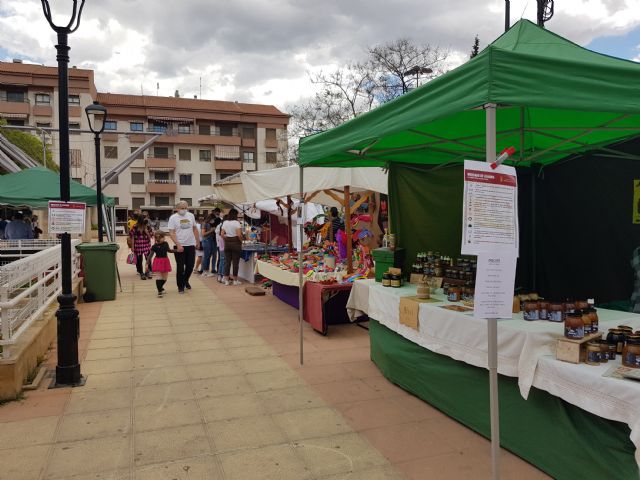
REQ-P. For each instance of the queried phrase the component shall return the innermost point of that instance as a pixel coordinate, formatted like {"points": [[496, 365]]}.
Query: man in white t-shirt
{"points": [[185, 236]]}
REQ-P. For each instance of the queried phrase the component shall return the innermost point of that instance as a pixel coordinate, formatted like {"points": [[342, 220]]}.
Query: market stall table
{"points": [[324, 305], [525, 352], [250, 254]]}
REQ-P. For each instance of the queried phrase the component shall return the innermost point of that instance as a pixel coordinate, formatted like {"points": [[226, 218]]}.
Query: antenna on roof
{"points": [[177, 94], [545, 11], [157, 88], [200, 87]]}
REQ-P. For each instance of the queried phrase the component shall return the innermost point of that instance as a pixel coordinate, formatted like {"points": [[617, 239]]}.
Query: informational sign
{"points": [[490, 209], [636, 201], [495, 279], [66, 217]]}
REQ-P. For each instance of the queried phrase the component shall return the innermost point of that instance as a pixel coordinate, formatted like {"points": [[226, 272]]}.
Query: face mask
{"points": [[182, 212]]}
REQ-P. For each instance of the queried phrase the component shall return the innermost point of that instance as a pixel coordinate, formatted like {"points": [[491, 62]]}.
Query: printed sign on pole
{"points": [[66, 217]]}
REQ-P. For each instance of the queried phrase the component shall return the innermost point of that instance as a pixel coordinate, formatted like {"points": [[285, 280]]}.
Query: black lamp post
{"points": [[68, 321], [417, 71], [96, 115]]}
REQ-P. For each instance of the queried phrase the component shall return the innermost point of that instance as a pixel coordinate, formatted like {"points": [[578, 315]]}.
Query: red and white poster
{"points": [[66, 217], [490, 209]]}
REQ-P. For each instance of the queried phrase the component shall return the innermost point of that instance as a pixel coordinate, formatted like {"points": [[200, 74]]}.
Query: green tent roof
{"points": [[34, 187], [554, 99]]}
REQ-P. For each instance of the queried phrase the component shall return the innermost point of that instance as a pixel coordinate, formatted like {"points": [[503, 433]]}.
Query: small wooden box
{"points": [[573, 351]]}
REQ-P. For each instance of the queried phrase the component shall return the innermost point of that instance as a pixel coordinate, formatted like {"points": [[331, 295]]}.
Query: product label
{"points": [[532, 315], [593, 357], [554, 316], [576, 333], [631, 359], [544, 315]]}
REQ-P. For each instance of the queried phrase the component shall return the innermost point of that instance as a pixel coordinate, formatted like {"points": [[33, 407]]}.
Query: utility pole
{"points": [[507, 15]]}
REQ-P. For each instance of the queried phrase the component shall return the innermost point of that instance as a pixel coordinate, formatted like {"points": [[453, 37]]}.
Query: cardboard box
{"points": [[409, 309]]}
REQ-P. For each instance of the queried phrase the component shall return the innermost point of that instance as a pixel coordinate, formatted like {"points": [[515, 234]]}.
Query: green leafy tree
{"points": [[475, 50], [29, 144]]}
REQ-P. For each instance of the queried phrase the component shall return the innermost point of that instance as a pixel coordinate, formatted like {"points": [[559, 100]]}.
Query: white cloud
{"points": [[259, 50]]}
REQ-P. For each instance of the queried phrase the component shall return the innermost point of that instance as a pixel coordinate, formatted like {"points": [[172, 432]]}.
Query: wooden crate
{"points": [[574, 351]]}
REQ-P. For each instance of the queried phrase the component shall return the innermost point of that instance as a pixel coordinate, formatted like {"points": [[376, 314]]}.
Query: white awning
{"points": [[14, 115]]}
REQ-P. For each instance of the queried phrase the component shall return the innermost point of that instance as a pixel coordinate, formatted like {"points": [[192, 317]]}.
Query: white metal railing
{"points": [[28, 287], [11, 250]]}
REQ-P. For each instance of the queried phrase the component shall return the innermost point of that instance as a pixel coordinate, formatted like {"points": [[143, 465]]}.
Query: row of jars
{"points": [[627, 344]]}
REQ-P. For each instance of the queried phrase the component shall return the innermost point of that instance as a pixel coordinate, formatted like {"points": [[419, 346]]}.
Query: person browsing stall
{"points": [[232, 235], [185, 236]]}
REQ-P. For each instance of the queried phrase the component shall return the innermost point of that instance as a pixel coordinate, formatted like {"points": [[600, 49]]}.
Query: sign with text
{"points": [[490, 209], [495, 279], [66, 217]]}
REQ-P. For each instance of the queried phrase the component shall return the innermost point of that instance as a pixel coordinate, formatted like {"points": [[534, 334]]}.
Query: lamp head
{"points": [[96, 115]]}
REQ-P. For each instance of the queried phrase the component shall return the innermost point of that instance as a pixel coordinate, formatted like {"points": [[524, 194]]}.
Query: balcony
{"points": [[249, 166], [109, 137], [161, 186], [137, 137], [42, 110], [271, 142], [155, 162], [249, 142], [229, 165], [138, 188], [75, 112], [13, 103]]}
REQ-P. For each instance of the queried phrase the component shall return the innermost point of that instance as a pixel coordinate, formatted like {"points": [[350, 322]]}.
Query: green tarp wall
{"points": [[559, 438]]}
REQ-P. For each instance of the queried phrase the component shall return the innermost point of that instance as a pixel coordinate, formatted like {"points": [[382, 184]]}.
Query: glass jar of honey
{"points": [[531, 311], [593, 353], [631, 352], [386, 279], [574, 326], [454, 294], [544, 310], [586, 319], [555, 312], [616, 337]]}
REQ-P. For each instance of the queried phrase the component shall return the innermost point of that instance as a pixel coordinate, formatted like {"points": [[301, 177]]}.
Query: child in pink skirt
{"points": [[161, 264]]}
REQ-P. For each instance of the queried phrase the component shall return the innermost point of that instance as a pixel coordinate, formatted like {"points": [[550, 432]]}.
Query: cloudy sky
{"points": [[262, 50]]}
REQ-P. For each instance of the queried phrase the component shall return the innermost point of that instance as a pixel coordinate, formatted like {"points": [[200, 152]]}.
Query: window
{"points": [[185, 179], [110, 152], [116, 200], [184, 154], [43, 124], [249, 132], [248, 157], [110, 125], [75, 157], [115, 181], [161, 152], [136, 126], [162, 201], [158, 127], [226, 130], [205, 179], [74, 100], [222, 176], [43, 99], [18, 97], [204, 129], [140, 155], [272, 157], [184, 128], [205, 155], [188, 200], [137, 178], [76, 179], [74, 126], [270, 137], [164, 176], [137, 202], [17, 123]]}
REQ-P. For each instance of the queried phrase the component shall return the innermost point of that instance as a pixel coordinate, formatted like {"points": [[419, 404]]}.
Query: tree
{"points": [[475, 50], [358, 87], [29, 144]]}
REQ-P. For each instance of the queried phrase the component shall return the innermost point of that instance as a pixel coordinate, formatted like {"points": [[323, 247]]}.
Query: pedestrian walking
{"points": [[232, 235], [209, 246], [220, 244], [159, 260], [140, 244], [184, 233]]}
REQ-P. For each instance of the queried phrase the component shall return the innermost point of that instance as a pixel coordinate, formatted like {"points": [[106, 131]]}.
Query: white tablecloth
{"points": [[526, 350], [275, 273]]}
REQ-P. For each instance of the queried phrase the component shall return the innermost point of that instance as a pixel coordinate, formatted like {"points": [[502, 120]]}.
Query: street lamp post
{"points": [[68, 321], [417, 71], [96, 115]]}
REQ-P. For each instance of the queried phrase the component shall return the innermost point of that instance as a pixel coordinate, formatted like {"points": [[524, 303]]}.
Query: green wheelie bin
{"points": [[99, 260]]}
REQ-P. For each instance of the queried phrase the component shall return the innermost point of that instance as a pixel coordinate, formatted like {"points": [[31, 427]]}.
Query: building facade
{"points": [[200, 141]]}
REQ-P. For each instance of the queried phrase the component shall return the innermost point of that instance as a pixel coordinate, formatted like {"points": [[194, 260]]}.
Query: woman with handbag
{"points": [[140, 243]]}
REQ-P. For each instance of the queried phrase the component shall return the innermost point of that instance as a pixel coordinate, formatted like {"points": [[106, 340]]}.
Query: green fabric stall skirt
{"points": [[561, 439]]}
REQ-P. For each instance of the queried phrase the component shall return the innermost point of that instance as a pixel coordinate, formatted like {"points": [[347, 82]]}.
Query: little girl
{"points": [[161, 264]]}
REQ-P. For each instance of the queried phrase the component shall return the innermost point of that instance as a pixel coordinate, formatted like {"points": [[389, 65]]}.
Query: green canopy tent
{"points": [[531, 89]]}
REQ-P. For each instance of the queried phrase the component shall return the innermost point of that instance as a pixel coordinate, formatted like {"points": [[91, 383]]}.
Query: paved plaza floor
{"points": [[208, 385]]}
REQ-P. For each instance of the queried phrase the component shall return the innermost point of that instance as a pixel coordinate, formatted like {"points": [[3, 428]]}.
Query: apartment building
{"points": [[200, 141]]}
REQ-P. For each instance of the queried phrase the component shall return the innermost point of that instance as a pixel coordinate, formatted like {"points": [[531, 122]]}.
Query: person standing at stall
{"points": [[232, 235], [209, 245], [185, 236]]}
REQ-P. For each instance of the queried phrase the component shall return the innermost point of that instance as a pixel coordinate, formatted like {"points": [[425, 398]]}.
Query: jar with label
{"points": [[586, 319], [616, 337], [631, 352], [555, 312], [531, 311], [581, 305], [386, 279], [595, 321], [611, 353], [569, 307], [454, 294], [396, 281], [544, 310], [604, 351], [516, 304], [593, 353], [573, 326]]}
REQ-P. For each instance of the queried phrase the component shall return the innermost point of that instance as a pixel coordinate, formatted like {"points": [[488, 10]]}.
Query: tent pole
{"points": [[300, 272], [289, 223], [347, 228], [492, 323], [534, 221]]}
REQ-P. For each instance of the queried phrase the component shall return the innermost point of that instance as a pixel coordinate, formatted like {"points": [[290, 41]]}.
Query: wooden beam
{"points": [[347, 228], [335, 197], [361, 200]]}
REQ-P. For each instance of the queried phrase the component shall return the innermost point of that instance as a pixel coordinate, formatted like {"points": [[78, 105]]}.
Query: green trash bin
{"points": [[99, 261], [386, 258]]}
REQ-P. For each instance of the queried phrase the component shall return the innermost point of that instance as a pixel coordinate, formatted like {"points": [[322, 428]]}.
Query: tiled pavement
{"points": [[207, 385]]}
